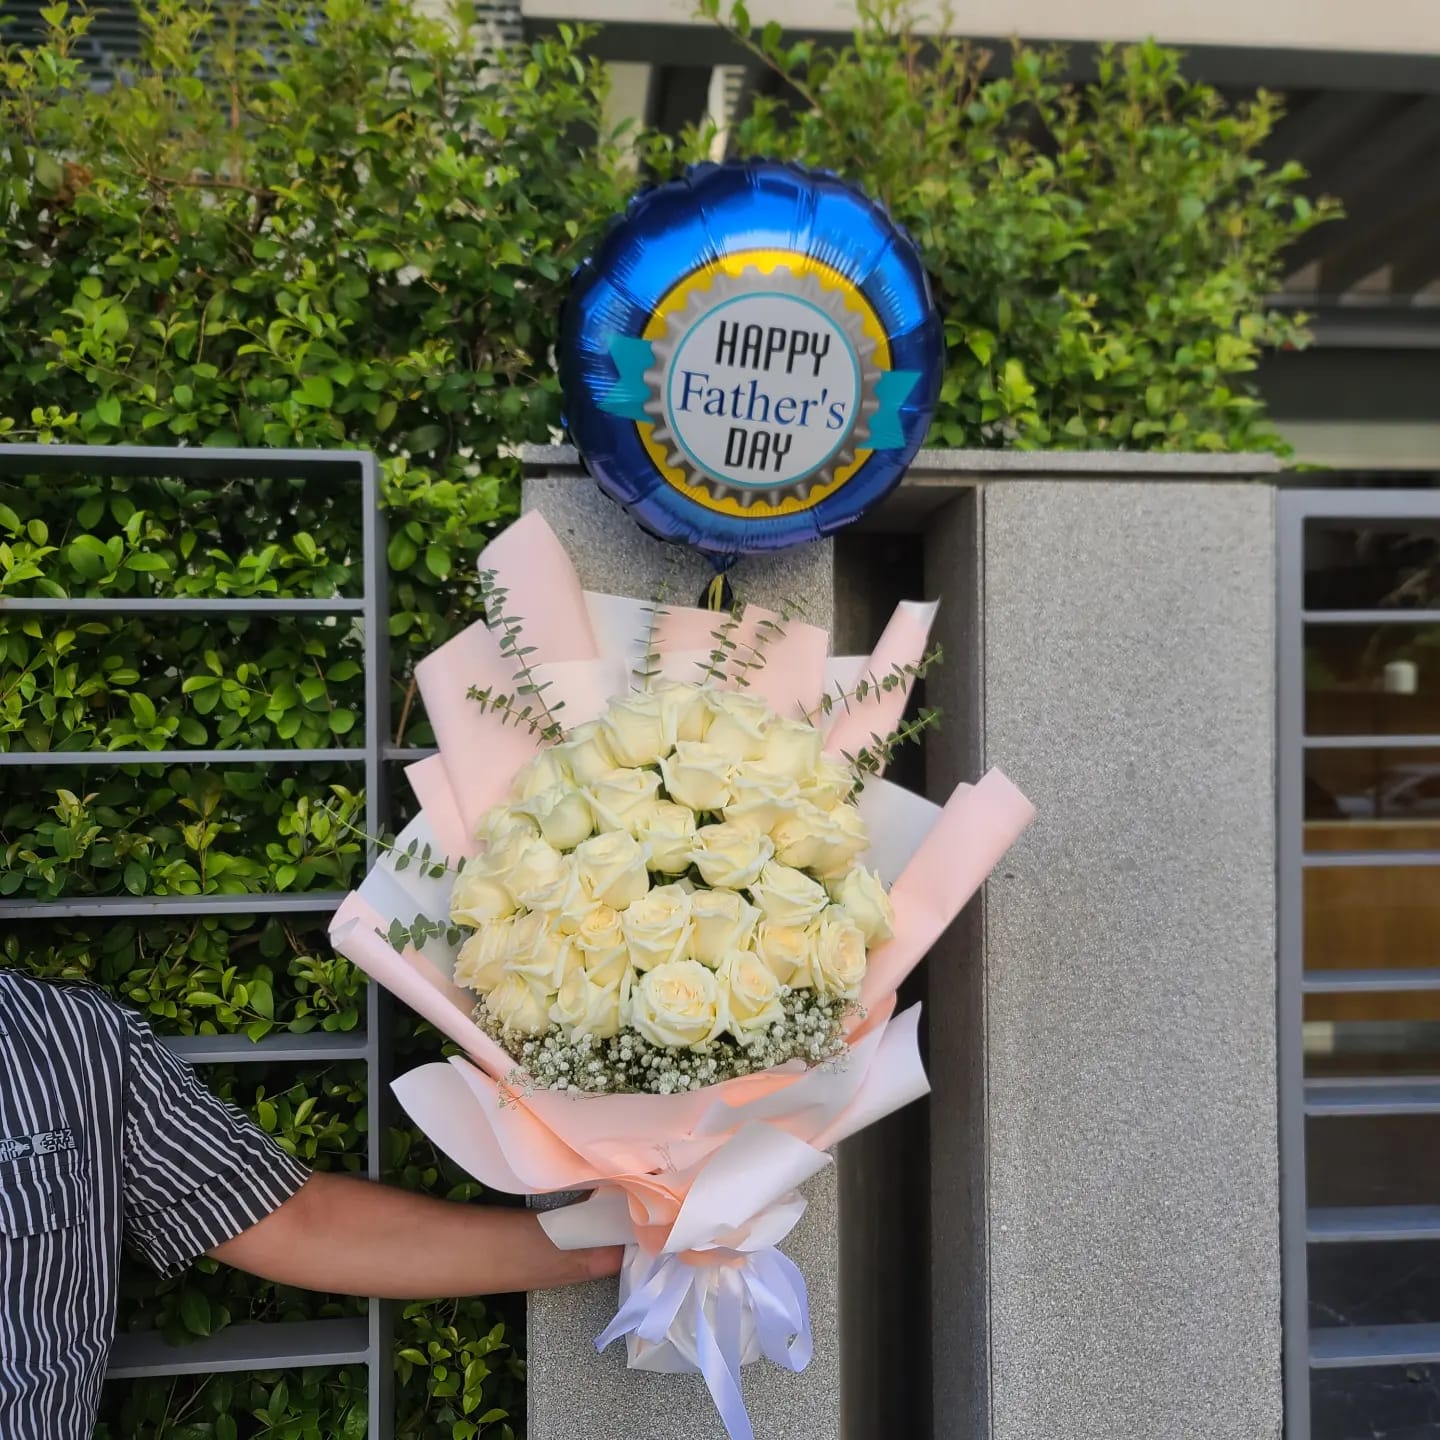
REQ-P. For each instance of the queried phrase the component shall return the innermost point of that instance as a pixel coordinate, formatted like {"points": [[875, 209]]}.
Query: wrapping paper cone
{"points": [[701, 1186], [858, 724], [974, 830], [542, 589]]}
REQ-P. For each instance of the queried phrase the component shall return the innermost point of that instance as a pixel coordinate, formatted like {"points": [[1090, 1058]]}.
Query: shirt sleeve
{"points": [[196, 1171]]}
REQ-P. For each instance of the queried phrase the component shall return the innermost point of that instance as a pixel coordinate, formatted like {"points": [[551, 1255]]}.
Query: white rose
{"points": [[789, 950], [621, 797], [585, 1006], [688, 711], [731, 856], [698, 775], [788, 896], [762, 798], [528, 867], [480, 965], [544, 772], [501, 824], [860, 893], [520, 1005], [599, 941], [536, 951], [825, 841], [657, 927], [846, 839], [677, 1004], [563, 901], [752, 993], [792, 747], [838, 965], [611, 869], [831, 782], [720, 921], [668, 830], [637, 730], [586, 753], [479, 896], [738, 724], [563, 814]]}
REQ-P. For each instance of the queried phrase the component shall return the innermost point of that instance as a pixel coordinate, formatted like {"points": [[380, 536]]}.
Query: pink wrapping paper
{"points": [[543, 590], [857, 724]]}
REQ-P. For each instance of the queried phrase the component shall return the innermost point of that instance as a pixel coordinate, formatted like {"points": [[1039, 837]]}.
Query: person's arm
{"points": [[199, 1178], [350, 1237]]}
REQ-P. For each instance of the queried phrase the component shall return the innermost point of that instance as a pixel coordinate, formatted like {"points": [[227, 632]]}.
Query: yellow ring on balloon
{"points": [[766, 261]]}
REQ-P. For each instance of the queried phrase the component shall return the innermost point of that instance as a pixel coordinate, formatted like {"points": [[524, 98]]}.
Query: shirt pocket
{"points": [[48, 1192]]}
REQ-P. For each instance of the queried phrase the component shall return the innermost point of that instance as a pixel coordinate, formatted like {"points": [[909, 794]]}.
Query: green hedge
{"points": [[351, 226]]}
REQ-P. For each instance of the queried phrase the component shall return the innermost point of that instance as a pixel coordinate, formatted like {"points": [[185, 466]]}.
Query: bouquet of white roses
{"points": [[661, 898], [671, 898]]}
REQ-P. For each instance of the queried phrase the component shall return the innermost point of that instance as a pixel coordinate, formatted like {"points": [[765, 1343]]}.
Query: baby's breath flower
{"points": [[810, 1029]]}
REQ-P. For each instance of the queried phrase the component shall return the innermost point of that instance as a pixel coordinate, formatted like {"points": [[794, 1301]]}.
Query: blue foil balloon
{"points": [[751, 358]]}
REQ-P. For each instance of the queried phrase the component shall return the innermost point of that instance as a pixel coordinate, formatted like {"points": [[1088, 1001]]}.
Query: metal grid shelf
{"points": [[1369, 982], [285, 1345], [189, 604], [1368, 1095], [1373, 1223], [44, 758], [362, 1340], [117, 907], [1361, 1346], [320, 1045], [1370, 742]]}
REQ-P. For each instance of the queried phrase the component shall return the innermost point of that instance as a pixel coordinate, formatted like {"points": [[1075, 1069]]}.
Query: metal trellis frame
{"points": [[1356, 1099], [361, 1340]]}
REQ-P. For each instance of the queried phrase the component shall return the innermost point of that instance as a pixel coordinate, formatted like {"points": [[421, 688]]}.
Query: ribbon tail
{"points": [[631, 1315], [721, 1380], [781, 1304]]}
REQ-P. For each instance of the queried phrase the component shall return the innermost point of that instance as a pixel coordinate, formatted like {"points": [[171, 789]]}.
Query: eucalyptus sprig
{"points": [[649, 668], [493, 596], [725, 645], [431, 865], [875, 759], [897, 677], [512, 712], [420, 931], [767, 632]]}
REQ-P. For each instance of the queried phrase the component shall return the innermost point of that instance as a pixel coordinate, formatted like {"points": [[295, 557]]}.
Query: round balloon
{"points": [[751, 358]]}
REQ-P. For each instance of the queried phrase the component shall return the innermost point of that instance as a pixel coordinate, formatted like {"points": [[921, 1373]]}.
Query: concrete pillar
{"points": [[573, 1393], [1104, 1201]]}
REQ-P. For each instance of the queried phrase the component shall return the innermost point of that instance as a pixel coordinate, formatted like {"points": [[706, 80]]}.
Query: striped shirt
{"points": [[104, 1137]]}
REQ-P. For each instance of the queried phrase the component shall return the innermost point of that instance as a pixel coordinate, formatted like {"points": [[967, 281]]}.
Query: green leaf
{"points": [[316, 391], [195, 1312], [424, 439], [135, 877], [401, 552], [147, 564], [108, 409], [142, 708], [437, 561]]}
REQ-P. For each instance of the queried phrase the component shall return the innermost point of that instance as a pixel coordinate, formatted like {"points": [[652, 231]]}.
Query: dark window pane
{"points": [[1376, 1284], [1393, 1403], [1360, 790], [1373, 1160], [1372, 564], [1372, 679]]}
